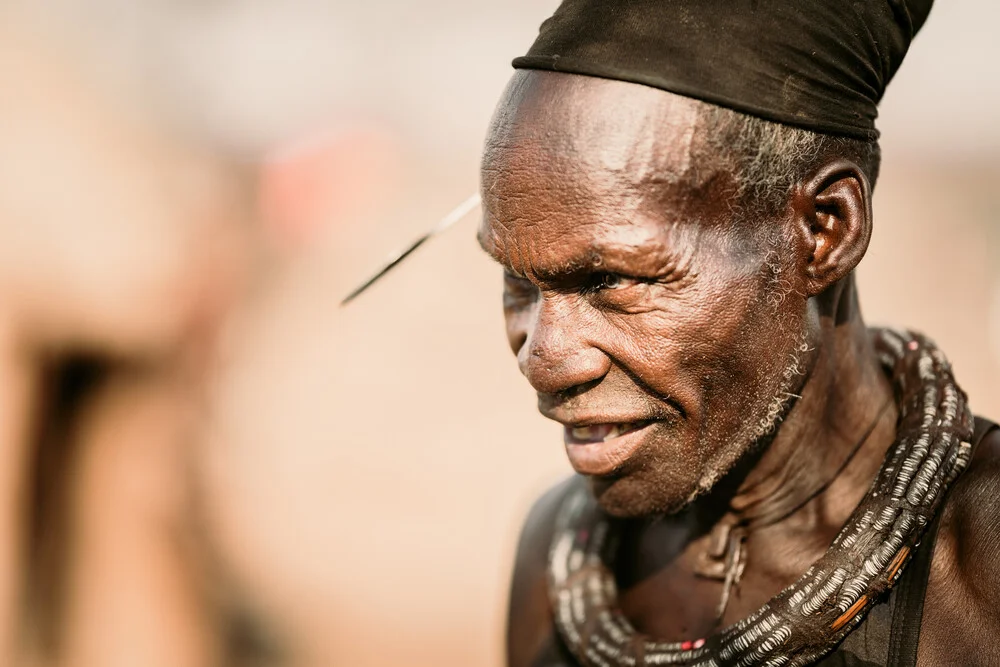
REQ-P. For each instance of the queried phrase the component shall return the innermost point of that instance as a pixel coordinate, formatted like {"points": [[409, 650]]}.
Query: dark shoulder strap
{"points": [[908, 610], [983, 428]]}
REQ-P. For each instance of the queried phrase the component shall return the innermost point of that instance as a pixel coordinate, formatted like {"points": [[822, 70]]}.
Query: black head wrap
{"points": [[818, 64]]}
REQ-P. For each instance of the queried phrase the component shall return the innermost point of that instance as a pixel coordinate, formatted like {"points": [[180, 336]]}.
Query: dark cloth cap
{"points": [[818, 64]]}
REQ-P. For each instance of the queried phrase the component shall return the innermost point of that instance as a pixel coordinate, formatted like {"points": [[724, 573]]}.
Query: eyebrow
{"points": [[482, 242], [493, 253], [643, 261], [650, 255]]}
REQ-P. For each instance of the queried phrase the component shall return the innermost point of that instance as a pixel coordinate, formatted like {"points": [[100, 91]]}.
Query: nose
{"points": [[556, 353]]}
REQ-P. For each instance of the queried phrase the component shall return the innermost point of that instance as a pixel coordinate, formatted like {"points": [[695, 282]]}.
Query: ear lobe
{"points": [[837, 221]]}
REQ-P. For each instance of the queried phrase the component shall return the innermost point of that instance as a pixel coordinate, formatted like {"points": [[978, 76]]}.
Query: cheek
{"points": [[717, 343], [744, 367]]}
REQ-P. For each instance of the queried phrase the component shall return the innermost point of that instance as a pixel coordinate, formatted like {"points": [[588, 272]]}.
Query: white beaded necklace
{"points": [[809, 618]]}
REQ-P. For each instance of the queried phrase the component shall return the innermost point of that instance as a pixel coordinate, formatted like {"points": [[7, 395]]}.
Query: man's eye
{"points": [[518, 289], [606, 281]]}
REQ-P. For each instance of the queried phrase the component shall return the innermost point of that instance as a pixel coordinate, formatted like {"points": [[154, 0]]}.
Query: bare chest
{"points": [[676, 603]]}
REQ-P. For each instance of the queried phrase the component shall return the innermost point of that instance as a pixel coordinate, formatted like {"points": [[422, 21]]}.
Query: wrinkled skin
{"points": [[638, 292], [630, 295]]}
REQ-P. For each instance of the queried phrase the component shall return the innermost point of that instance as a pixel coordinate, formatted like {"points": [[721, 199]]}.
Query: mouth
{"points": [[602, 449]]}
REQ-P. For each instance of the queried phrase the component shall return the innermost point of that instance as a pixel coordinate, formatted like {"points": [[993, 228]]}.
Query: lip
{"points": [[599, 459]]}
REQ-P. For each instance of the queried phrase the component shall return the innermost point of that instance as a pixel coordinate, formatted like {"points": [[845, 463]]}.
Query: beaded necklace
{"points": [[809, 618], [725, 557]]}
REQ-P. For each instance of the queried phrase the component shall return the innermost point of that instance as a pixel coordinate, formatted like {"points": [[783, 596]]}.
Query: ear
{"points": [[834, 215]]}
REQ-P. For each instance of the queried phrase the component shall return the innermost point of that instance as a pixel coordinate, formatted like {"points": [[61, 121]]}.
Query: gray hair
{"points": [[769, 158]]}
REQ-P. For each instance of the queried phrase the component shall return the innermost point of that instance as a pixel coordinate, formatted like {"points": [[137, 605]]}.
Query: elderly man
{"points": [[679, 192]]}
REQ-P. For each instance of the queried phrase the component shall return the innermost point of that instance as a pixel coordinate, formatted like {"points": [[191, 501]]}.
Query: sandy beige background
{"points": [[367, 468], [387, 452]]}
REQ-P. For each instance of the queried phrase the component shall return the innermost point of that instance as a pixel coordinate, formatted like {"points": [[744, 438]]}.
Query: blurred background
{"points": [[203, 459]]}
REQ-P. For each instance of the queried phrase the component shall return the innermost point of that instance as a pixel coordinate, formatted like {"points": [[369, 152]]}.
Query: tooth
{"points": [[582, 432], [614, 432]]}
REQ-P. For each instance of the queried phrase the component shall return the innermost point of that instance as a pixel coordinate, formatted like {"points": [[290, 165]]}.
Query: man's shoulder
{"points": [[975, 495], [962, 608], [540, 523], [972, 509], [529, 622], [531, 562]]}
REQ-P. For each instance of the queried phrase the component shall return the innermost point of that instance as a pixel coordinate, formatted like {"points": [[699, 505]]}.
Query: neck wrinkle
{"points": [[843, 398]]}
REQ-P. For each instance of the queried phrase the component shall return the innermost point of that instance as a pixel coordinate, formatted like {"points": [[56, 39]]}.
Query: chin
{"points": [[630, 497]]}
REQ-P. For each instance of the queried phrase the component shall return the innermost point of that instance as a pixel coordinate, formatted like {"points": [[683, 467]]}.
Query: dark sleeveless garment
{"points": [[887, 637]]}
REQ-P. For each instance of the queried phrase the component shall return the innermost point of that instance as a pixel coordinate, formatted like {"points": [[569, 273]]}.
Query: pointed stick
{"points": [[447, 221]]}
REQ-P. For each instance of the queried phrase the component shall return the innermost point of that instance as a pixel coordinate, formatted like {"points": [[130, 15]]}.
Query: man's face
{"points": [[664, 334]]}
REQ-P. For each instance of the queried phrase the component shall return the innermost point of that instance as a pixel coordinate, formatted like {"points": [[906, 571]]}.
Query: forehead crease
{"points": [[623, 238], [634, 133], [514, 241], [558, 193], [555, 195], [568, 224], [574, 158], [554, 247]]}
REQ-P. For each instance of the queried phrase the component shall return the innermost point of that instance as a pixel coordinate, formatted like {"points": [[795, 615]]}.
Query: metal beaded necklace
{"points": [[809, 618]]}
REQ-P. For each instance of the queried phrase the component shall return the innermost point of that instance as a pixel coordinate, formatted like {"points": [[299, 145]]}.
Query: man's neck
{"points": [[827, 451], [846, 404]]}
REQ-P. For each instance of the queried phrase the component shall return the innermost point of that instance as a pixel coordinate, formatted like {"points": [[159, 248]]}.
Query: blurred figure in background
{"points": [[128, 244], [123, 245]]}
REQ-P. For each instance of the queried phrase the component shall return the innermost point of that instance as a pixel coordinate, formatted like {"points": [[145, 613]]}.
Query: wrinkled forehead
{"points": [[599, 127], [565, 149]]}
